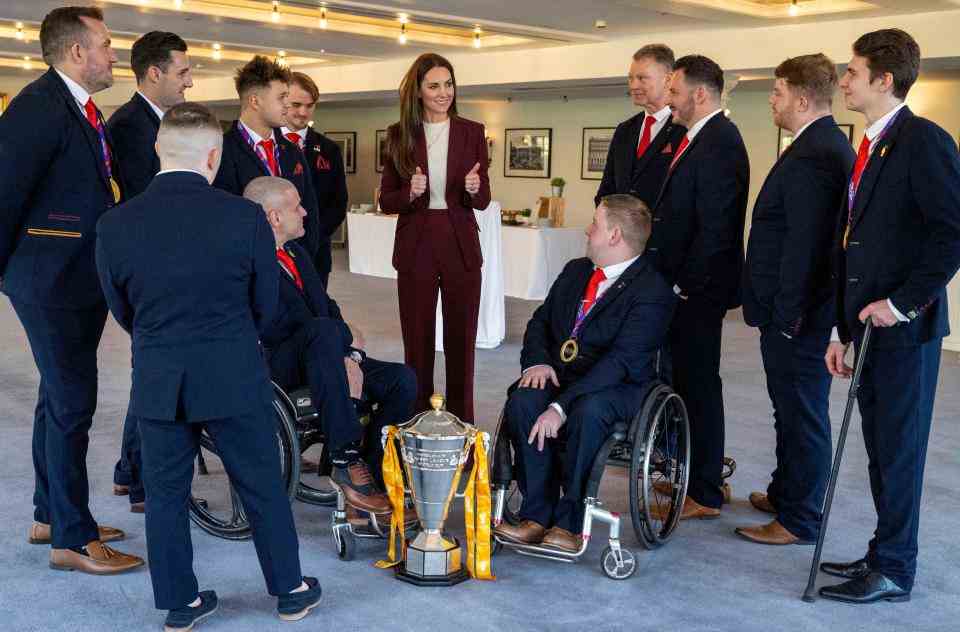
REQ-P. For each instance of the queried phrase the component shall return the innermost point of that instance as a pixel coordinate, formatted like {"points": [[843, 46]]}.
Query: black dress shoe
{"points": [[874, 587], [851, 570], [183, 619]]}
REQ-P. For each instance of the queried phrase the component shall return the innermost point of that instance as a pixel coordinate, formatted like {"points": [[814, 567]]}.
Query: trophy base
{"points": [[448, 580], [432, 560]]}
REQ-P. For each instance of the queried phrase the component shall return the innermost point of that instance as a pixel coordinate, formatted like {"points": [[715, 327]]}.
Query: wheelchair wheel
{"points": [[346, 544], [659, 459], [320, 492], [215, 505], [502, 475], [621, 568]]}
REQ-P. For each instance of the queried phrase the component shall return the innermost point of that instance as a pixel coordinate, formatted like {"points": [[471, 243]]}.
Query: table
{"points": [[534, 257]]}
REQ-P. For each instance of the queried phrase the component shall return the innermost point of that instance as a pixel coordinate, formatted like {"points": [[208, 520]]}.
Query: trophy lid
{"points": [[437, 423]]}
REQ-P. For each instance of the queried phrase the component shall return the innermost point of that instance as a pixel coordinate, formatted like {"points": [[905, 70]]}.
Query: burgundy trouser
{"points": [[439, 265]]}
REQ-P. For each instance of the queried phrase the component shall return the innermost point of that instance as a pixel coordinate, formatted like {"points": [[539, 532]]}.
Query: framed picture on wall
{"points": [[784, 138], [848, 128], [348, 147], [381, 149], [527, 153], [593, 152]]}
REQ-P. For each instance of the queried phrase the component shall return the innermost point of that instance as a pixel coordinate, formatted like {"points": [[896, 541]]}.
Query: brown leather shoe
{"points": [[761, 501], [138, 507], [120, 490], [100, 559], [527, 532], [40, 534], [359, 488], [666, 488], [559, 538], [692, 510], [772, 533]]}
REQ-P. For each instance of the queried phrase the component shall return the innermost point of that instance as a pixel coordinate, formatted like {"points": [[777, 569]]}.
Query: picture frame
{"points": [[347, 141], [848, 128], [784, 138], [380, 150], [593, 151], [527, 152]]}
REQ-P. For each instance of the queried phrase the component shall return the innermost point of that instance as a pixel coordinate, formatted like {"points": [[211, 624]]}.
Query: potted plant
{"points": [[557, 185]]}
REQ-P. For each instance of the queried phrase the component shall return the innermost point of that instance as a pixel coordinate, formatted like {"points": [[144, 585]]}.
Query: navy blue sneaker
{"points": [[183, 619], [297, 605]]}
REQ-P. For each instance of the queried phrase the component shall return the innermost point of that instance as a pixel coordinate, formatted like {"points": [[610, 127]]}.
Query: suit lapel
{"points": [[878, 158], [148, 110], [93, 138], [245, 148], [656, 145], [629, 149], [612, 292], [454, 140], [580, 286]]}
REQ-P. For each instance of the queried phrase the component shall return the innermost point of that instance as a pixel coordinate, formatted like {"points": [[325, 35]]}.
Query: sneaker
{"points": [[294, 606], [183, 619]]}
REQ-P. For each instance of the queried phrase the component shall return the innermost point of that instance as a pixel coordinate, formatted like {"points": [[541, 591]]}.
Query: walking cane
{"points": [[841, 440]]}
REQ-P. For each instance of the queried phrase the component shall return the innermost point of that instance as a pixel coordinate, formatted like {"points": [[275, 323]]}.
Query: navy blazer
{"points": [[698, 216], [191, 273], [623, 173], [53, 189], [329, 181], [620, 337], [240, 164], [134, 128], [904, 242], [298, 307], [787, 279]]}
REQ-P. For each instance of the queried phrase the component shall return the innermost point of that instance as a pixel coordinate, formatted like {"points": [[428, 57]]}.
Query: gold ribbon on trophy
{"points": [[393, 481]]}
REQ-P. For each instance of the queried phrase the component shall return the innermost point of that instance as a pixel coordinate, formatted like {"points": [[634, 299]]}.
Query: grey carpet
{"points": [[704, 579]]}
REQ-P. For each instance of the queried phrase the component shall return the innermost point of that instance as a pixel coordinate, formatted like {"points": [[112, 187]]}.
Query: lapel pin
{"points": [[883, 151]]}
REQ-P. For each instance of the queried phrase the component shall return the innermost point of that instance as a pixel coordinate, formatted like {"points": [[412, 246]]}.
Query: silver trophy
{"points": [[433, 447]]}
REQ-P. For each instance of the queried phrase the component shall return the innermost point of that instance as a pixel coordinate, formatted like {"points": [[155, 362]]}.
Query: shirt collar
{"points": [[615, 270], [302, 133], [160, 173], [660, 115], [153, 105], [256, 138], [79, 92], [695, 129], [874, 130], [802, 129]]}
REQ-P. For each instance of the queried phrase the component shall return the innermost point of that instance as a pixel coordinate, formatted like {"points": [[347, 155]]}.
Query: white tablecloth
{"points": [[534, 258]]}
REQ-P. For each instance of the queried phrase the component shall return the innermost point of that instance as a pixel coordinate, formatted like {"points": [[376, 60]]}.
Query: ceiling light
{"points": [[217, 52], [323, 17], [476, 37], [282, 58], [20, 35], [403, 33], [794, 10], [26, 62], [275, 13], [178, 4]]}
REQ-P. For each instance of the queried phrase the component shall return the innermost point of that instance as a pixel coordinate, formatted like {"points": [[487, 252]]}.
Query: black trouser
{"points": [[896, 398], [247, 447], [799, 386], [695, 336], [64, 345], [590, 420], [393, 387], [129, 469]]}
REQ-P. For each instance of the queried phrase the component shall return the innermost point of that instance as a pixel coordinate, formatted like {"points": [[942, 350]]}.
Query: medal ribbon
{"points": [[259, 152], [94, 118], [854, 184], [393, 481]]}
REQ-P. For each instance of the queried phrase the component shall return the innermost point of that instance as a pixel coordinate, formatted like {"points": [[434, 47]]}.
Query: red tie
{"points": [[590, 296], [91, 110], [294, 138], [287, 262], [645, 136], [863, 155], [267, 145], [680, 148]]}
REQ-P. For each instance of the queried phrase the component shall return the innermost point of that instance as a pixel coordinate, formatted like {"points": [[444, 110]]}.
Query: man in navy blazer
{"points": [[254, 145], [160, 63], [59, 178], [897, 247], [643, 146], [787, 293], [190, 272], [698, 244], [326, 166], [309, 342], [617, 309]]}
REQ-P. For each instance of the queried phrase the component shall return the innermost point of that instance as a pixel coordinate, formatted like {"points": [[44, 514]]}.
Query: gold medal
{"points": [[116, 190], [569, 351]]}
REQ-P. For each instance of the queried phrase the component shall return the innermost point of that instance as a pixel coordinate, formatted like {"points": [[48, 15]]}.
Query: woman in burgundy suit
{"points": [[435, 176]]}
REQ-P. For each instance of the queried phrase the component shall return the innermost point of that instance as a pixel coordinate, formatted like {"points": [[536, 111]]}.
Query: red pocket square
{"points": [[668, 149], [298, 170], [322, 163]]}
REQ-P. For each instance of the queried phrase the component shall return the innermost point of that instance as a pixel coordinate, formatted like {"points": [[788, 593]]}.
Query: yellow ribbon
{"points": [[476, 510], [393, 481]]}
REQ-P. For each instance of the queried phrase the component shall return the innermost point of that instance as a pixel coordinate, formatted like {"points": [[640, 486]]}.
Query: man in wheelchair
{"points": [[587, 353], [309, 341]]}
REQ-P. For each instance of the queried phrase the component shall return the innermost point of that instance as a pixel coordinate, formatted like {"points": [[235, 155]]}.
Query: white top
{"points": [[78, 91], [153, 105], [255, 136], [695, 129], [302, 134], [661, 120], [438, 141], [878, 126]]}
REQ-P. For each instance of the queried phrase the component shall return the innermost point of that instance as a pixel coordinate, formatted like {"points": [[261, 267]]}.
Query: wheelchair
{"points": [[654, 446], [216, 508]]}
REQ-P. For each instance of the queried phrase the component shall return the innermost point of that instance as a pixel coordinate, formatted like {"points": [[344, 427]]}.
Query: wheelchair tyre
{"points": [[661, 453], [237, 525], [511, 509], [346, 544], [613, 570]]}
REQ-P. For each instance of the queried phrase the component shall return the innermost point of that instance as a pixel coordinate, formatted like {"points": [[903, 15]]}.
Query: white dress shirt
{"points": [[438, 140], [661, 118], [253, 135], [302, 134], [79, 93], [156, 108]]}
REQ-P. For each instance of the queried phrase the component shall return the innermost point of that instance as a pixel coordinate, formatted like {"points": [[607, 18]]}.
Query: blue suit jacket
{"points": [[53, 189], [329, 182], [240, 164], [620, 337], [787, 279], [643, 178], [191, 273], [904, 242], [134, 128], [698, 216]]}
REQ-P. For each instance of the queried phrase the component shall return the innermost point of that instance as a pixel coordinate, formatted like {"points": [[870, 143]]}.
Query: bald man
{"points": [[190, 272]]}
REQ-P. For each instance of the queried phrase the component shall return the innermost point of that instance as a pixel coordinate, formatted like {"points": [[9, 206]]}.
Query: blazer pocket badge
{"points": [[322, 163]]}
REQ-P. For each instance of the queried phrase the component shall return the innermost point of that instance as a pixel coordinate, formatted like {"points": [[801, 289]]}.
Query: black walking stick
{"points": [[841, 440]]}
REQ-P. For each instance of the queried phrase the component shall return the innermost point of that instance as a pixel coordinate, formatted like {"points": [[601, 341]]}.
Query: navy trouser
{"points": [[247, 448], [896, 403], [695, 337], [393, 387], [129, 469], [799, 386], [590, 420], [64, 345]]}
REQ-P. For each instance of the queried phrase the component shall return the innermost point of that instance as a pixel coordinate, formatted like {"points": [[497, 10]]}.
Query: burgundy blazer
{"points": [[467, 146]]}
